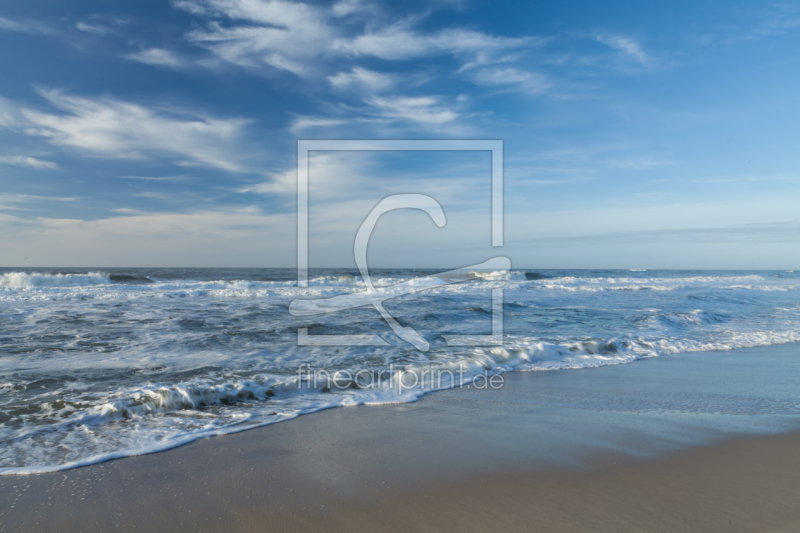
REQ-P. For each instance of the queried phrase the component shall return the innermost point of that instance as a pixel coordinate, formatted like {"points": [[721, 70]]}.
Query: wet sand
{"points": [[541, 454]]}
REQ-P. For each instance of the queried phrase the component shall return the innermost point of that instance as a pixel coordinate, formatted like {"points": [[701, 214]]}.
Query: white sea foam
{"points": [[97, 369], [22, 280], [175, 413]]}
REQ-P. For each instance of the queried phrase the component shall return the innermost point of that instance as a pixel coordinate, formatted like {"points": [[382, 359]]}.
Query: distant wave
{"points": [[344, 279], [125, 278], [22, 280], [484, 275], [34, 280], [535, 275], [498, 275]]}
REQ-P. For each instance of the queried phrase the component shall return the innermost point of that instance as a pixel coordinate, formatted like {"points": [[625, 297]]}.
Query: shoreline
{"points": [[541, 452]]}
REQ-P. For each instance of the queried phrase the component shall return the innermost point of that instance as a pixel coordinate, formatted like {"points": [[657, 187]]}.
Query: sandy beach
{"points": [[534, 455]]}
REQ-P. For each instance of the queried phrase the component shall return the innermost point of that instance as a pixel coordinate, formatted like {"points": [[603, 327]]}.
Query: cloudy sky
{"points": [[636, 134]]}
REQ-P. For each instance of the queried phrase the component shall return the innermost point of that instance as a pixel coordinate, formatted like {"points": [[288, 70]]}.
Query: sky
{"points": [[636, 134]]}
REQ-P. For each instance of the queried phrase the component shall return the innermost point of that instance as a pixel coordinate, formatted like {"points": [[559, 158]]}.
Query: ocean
{"points": [[103, 363]]}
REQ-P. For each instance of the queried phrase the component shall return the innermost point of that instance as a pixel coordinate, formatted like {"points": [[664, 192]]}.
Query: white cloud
{"points": [[528, 82], [152, 194], [312, 41], [30, 162], [12, 201], [296, 37], [344, 8], [112, 128], [281, 183], [425, 110], [302, 123], [23, 26], [8, 113], [337, 178], [400, 41], [626, 45], [362, 78], [94, 29], [331, 175], [285, 35], [432, 112], [155, 56]]}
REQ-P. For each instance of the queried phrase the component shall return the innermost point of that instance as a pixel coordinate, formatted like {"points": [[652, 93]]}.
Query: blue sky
{"points": [[636, 134]]}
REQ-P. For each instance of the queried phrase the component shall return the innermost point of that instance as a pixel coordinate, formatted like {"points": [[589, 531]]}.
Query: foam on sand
{"points": [[105, 364]]}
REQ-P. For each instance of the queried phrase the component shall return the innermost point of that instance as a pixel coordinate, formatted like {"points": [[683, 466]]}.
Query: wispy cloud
{"points": [[343, 8], [113, 128], [512, 78], [284, 35], [433, 112], [280, 183], [337, 42], [25, 161], [337, 175], [151, 194], [296, 37], [94, 29], [627, 46], [9, 198], [303, 123], [155, 56], [400, 41], [23, 26], [8, 113], [362, 78], [425, 110]]}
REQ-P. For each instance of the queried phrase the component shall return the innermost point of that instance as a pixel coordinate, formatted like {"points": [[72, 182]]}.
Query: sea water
{"points": [[104, 363]]}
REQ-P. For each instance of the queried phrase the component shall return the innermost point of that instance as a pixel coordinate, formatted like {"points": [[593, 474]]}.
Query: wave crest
{"points": [[23, 280]]}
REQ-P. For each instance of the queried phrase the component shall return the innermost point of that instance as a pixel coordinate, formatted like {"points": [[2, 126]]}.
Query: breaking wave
{"points": [[99, 365], [22, 280]]}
